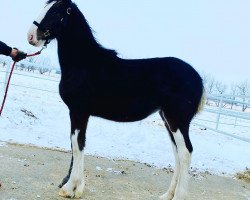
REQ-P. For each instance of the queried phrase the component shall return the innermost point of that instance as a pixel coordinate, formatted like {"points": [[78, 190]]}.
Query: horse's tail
{"points": [[202, 101]]}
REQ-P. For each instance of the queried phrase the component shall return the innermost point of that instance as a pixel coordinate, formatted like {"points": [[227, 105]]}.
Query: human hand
{"points": [[17, 55]]}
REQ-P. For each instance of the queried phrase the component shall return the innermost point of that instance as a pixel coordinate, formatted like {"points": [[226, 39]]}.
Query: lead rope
{"points": [[12, 68]]}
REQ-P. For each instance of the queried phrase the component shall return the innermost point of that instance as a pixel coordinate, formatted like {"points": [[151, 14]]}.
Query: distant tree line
{"points": [[41, 64], [215, 87]]}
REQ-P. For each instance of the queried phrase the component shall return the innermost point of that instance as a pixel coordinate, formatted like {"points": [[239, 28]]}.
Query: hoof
{"points": [[72, 192], [78, 195], [167, 196], [65, 194], [79, 190]]}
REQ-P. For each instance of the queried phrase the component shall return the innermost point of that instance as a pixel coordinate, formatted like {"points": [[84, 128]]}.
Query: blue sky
{"points": [[213, 36]]}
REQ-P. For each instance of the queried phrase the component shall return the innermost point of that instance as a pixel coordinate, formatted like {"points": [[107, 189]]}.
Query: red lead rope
{"points": [[8, 83]]}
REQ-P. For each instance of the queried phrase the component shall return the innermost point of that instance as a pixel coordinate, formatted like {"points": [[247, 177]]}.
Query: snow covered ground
{"points": [[40, 118]]}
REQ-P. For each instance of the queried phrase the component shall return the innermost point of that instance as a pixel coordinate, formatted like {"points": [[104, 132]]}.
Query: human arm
{"points": [[5, 49], [14, 53]]}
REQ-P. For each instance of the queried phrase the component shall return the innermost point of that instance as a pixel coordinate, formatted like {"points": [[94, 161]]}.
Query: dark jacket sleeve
{"points": [[5, 49]]}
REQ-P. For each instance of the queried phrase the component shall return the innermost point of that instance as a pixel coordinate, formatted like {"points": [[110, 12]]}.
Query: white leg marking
{"points": [[75, 185], [171, 190], [185, 160]]}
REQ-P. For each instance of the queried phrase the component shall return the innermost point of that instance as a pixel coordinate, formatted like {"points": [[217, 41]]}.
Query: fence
{"points": [[223, 115], [5, 72], [225, 119]]}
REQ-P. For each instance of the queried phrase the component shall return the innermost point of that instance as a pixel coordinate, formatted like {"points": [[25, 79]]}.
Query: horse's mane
{"points": [[88, 31]]}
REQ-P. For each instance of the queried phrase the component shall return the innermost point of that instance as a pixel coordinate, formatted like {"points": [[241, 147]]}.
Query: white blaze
{"points": [[32, 34]]}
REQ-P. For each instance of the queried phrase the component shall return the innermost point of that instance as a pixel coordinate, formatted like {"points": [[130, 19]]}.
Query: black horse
{"points": [[96, 82]]}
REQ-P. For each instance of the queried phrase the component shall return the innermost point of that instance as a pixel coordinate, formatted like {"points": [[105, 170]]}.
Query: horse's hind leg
{"points": [[75, 185], [182, 150], [171, 190]]}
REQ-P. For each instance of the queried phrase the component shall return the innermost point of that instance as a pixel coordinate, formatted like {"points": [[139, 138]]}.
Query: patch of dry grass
{"points": [[245, 176]]}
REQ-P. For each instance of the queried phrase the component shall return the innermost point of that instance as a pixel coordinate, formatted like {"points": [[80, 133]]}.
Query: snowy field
{"points": [[41, 118], [229, 124]]}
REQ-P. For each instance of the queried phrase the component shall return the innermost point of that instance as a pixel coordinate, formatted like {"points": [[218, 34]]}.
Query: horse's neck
{"points": [[77, 47], [76, 42]]}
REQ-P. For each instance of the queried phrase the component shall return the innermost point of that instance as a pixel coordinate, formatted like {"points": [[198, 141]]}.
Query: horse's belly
{"points": [[121, 111]]}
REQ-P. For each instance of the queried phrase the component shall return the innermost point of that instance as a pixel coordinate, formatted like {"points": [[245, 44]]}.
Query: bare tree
{"points": [[233, 93], [31, 67], [22, 67], [244, 90], [43, 70], [209, 84], [45, 62], [220, 88]]}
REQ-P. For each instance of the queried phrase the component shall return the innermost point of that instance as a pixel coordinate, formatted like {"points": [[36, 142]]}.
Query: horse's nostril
{"points": [[31, 37]]}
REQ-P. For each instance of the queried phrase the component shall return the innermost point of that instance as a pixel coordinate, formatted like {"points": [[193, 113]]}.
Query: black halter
{"points": [[46, 32]]}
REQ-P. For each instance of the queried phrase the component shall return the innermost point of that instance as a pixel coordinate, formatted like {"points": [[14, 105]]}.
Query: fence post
{"points": [[218, 116]]}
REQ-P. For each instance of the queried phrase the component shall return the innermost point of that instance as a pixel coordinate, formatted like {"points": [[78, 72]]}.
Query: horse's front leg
{"points": [[75, 184]]}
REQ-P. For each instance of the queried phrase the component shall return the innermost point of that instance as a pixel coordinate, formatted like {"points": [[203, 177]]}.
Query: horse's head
{"points": [[50, 22]]}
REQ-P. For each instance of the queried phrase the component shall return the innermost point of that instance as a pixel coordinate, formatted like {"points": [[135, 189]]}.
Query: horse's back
{"points": [[173, 82], [164, 75]]}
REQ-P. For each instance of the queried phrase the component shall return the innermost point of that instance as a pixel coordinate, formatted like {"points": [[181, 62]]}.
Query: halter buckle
{"points": [[47, 33], [69, 11]]}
